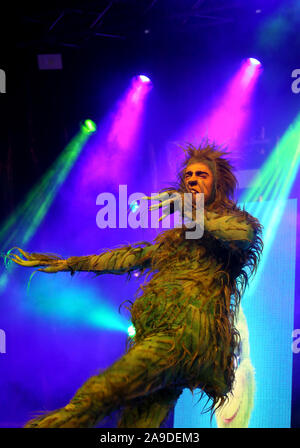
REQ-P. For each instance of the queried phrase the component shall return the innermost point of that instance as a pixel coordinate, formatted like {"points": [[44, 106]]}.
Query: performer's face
{"points": [[198, 178]]}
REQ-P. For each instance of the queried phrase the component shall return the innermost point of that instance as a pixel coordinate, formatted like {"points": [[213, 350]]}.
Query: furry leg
{"points": [[143, 370], [150, 411]]}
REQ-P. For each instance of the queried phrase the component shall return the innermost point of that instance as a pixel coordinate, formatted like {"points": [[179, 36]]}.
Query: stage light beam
{"points": [[274, 183], [227, 120], [72, 303], [118, 140], [20, 227], [127, 119]]}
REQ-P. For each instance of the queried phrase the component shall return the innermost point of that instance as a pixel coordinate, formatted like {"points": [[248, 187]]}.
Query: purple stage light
{"points": [[127, 120], [118, 139], [229, 116], [254, 61], [144, 78]]}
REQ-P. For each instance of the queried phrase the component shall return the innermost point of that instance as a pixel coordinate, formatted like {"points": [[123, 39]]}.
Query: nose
{"points": [[192, 183]]}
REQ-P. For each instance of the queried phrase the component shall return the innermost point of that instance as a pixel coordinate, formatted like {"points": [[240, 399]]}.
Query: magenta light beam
{"points": [[128, 116], [227, 121], [117, 138]]}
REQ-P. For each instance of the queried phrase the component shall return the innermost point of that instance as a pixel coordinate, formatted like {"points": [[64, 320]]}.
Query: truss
{"points": [[91, 21]]}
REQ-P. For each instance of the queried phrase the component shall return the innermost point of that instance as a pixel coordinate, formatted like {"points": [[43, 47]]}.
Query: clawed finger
{"points": [[28, 263], [156, 197], [161, 204], [162, 217], [28, 260]]}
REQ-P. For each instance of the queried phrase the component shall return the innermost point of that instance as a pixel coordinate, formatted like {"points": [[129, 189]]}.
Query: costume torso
{"points": [[186, 272], [190, 295]]}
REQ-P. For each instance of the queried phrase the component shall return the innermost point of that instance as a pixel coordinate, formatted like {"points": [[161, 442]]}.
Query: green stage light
{"points": [[21, 226], [23, 223], [273, 185], [278, 174], [89, 127]]}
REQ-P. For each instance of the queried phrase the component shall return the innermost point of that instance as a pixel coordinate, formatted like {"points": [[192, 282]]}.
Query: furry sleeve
{"points": [[236, 229], [115, 261]]}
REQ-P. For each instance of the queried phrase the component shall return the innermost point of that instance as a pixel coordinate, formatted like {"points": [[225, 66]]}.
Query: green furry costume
{"points": [[184, 314]]}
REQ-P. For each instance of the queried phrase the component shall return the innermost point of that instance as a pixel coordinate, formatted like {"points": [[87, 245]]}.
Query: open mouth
{"points": [[193, 190]]}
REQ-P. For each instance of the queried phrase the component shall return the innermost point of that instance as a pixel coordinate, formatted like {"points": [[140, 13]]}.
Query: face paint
{"points": [[198, 178]]}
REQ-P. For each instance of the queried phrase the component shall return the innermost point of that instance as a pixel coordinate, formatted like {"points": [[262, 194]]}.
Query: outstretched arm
{"points": [[236, 229], [116, 261]]}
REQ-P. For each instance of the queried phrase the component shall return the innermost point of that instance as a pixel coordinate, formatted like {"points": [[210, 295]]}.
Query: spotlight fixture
{"points": [[254, 61], [88, 126], [134, 206], [144, 78], [131, 331]]}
